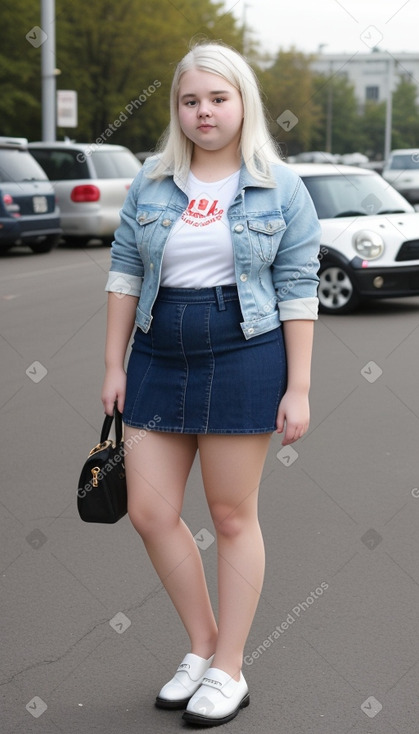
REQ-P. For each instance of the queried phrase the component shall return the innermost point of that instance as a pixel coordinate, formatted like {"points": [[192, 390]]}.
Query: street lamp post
{"points": [[48, 71], [389, 108], [329, 109], [329, 116]]}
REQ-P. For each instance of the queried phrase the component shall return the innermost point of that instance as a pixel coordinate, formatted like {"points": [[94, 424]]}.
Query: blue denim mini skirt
{"points": [[194, 371]]}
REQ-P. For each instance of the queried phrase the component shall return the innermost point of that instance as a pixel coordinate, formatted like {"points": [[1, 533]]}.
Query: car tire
{"points": [[45, 245], [74, 241], [6, 246], [336, 292]]}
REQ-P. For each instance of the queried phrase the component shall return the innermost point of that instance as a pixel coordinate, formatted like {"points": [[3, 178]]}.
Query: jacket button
{"points": [[238, 228], [243, 277], [251, 331], [141, 218], [151, 266], [166, 222]]}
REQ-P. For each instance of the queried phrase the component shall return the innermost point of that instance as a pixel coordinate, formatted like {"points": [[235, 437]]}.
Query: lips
{"points": [[205, 127]]}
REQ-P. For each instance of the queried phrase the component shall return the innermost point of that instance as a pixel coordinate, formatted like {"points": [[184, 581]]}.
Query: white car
{"points": [[91, 183], [370, 236], [402, 171]]}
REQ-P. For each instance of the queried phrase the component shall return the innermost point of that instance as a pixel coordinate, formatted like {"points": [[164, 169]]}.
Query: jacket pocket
{"points": [[147, 220], [262, 236]]}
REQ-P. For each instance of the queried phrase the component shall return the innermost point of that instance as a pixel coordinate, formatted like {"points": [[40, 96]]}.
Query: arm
{"points": [[124, 286], [294, 270], [121, 318], [294, 411], [295, 280]]}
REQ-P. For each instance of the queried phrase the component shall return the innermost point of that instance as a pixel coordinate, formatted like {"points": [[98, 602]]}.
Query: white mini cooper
{"points": [[370, 236]]}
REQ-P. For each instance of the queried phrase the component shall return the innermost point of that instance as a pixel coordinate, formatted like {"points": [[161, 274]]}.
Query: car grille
{"points": [[408, 251]]}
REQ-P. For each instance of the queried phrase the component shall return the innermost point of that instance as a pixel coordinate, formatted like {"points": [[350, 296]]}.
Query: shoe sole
{"points": [[165, 703], [191, 718]]}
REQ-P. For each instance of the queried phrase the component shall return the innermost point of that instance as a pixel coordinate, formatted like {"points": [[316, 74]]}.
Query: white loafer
{"points": [[187, 679], [218, 700]]}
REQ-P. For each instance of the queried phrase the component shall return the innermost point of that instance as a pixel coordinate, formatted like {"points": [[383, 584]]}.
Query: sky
{"points": [[341, 25]]}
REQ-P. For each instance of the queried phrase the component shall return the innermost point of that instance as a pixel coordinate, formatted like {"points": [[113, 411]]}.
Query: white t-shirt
{"points": [[199, 250]]}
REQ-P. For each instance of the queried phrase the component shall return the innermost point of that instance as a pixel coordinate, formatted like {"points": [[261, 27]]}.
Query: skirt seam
{"points": [[185, 386], [197, 432]]}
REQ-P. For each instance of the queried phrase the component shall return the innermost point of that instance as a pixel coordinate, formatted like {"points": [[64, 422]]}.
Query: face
{"points": [[210, 111]]}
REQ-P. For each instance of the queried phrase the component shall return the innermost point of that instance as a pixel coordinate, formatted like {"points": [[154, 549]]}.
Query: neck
{"points": [[212, 165]]}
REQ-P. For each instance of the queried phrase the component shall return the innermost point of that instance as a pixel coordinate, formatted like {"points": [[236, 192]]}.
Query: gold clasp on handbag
{"points": [[95, 471], [101, 446]]}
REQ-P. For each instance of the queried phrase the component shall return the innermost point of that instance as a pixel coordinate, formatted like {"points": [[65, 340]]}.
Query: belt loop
{"points": [[220, 298]]}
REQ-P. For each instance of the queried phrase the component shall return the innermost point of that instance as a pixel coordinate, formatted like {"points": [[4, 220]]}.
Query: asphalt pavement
{"points": [[88, 633]]}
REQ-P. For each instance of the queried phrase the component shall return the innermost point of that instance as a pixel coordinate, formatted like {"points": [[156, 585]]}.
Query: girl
{"points": [[215, 263]]}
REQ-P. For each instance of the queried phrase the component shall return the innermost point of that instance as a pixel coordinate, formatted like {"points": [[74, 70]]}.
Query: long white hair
{"points": [[257, 146]]}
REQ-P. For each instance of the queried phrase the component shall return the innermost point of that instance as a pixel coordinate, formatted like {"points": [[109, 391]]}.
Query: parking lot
{"points": [[89, 635]]}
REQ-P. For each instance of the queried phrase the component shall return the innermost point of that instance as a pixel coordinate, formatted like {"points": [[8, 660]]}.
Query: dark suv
{"points": [[28, 211]]}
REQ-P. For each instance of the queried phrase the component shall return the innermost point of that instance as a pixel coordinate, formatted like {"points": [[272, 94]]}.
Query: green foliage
{"points": [[120, 56], [405, 128], [372, 130], [339, 114], [289, 85], [20, 68]]}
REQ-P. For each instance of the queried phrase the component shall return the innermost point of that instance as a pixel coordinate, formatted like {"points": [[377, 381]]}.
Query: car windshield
{"points": [[405, 162], [115, 164], [17, 165], [354, 195]]}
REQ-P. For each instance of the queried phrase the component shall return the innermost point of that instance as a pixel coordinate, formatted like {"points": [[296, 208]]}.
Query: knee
{"points": [[229, 521], [148, 523]]}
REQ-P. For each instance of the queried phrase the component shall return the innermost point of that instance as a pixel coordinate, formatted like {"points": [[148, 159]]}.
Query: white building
{"points": [[372, 74]]}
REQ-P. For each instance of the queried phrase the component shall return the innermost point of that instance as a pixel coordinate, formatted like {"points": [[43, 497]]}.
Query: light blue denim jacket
{"points": [[275, 234]]}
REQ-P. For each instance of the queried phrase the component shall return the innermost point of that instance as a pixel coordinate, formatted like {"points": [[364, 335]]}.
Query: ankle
{"points": [[204, 648], [226, 666]]}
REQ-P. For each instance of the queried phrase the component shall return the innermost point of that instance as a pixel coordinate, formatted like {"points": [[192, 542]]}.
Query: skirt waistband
{"points": [[218, 295]]}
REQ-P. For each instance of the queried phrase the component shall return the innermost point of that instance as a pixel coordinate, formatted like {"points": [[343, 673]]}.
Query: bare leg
{"points": [[231, 471], [157, 469]]}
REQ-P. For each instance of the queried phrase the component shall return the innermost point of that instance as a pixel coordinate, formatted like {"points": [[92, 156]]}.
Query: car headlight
{"points": [[368, 245]]}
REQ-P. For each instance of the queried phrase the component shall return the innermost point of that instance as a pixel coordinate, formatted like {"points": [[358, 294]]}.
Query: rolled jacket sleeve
{"points": [[128, 285], [127, 270], [296, 264]]}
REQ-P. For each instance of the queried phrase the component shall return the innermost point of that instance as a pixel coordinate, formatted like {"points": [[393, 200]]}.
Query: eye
{"points": [[191, 103], [219, 99]]}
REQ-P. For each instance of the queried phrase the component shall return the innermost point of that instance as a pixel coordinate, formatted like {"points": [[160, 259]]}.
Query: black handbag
{"points": [[102, 488]]}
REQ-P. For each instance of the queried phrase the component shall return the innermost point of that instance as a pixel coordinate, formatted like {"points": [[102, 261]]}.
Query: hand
{"points": [[113, 390], [293, 416]]}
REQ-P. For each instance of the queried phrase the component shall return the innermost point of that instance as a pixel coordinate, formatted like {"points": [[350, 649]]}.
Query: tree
{"points": [[405, 116], [120, 57], [289, 88], [372, 130], [339, 113], [20, 87]]}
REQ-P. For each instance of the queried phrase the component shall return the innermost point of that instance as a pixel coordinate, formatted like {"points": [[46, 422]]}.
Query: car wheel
{"points": [[45, 245], [74, 241], [337, 293], [107, 241], [6, 246]]}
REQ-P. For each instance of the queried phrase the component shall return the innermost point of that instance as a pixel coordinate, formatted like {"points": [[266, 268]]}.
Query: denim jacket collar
{"points": [[245, 180]]}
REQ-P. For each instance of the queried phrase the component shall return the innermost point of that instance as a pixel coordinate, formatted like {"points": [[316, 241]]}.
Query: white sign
{"points": [[66, 108]]}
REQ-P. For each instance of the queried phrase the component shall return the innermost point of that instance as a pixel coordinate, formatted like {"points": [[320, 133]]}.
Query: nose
{"points": [[204, 110]]}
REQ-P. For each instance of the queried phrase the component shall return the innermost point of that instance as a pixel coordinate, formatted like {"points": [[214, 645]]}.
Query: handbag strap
{"points": [[107, 425]]}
